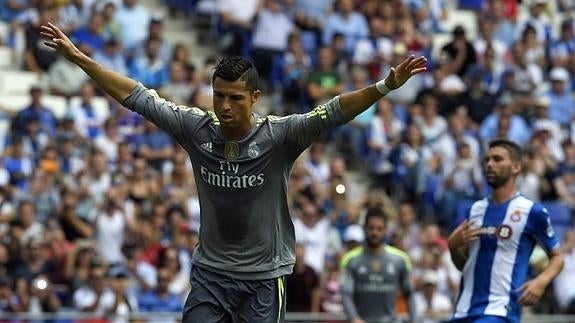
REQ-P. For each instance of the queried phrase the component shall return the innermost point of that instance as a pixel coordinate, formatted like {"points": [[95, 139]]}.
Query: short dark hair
{"points": [[234, 68], [375, 213], [515, 151]]}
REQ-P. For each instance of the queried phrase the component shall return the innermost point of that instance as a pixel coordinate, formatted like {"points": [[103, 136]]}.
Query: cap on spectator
{"points": [[452, 83], [429, 277], [353, 232], [559, 74]]}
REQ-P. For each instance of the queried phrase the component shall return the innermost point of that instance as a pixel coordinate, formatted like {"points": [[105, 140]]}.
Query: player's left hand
{"points": [[531, 292], [405, 70]]}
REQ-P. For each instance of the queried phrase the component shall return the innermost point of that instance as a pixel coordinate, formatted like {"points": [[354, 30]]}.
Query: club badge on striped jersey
{"points": [[231, 150]]}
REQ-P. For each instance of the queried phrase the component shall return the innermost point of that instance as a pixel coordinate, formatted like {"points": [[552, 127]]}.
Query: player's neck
{"points": [[375, 249], [503, 193], [237, 133]]}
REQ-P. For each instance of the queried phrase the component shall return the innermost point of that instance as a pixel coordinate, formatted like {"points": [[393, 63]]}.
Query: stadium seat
{"points": [[57, 104], [101, 105], [17, 82], [6, 58]]}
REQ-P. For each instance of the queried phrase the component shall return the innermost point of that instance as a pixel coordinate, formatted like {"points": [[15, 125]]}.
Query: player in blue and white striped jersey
{"points": [[493, 245]]}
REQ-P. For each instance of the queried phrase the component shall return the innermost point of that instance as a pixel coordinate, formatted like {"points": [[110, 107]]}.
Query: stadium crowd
{"points": [[99, 212]]}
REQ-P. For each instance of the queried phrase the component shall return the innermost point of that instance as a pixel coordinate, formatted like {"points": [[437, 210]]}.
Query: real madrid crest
{"points": [[231, 150], [253, 149], [376, 265]]}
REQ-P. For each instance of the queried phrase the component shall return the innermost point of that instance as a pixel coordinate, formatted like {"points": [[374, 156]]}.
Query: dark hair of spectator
{"points": [[375, 213], [513, 148], [235, 68]]}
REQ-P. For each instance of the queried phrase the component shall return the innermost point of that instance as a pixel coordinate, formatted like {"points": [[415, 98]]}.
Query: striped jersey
{"points": [[498, 261]]}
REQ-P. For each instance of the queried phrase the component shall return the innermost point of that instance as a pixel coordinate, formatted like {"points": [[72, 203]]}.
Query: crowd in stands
{"points": [[99, 212]]}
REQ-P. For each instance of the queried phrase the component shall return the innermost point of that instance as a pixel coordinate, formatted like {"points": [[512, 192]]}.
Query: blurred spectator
{"points": [[377, 47], [155, 146], [131, 34], [303, 285], [178, 89], [73, 225], [384, 135], [111, 27], [88, 120], [125, 301], [503, 122], [150, 68], [432, 125], [563, 47], [74, 14], [143, 186], [95, 178], [270, 39], [561, 101], [142, 275], [564, 182], [9, 301], [179, 283], [96, 297], [31, 228], [538, 19], [317, 164], [66, 78], [407, 227], [296, 65], [528, 77], [478, 99], [18, 164], [310, 18], [324, 81], [487, 41], [531, 181], [38, 57], [431, 305], [43, 194], [109, 140], [181, 54], [111, 225], [407, 34], [237, 22], [460, 53], [10, 9], [160, 299], [202, 98], [348, 22], [89, 36], [564, 294], [314, 231], [534, 50], [69, 158], [111, 56], [156, 31], [36, 110], [79, 263]]}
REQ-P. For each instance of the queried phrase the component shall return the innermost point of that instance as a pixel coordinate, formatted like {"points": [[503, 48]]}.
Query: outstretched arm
{"points": [[354, 103], [115, 84]]}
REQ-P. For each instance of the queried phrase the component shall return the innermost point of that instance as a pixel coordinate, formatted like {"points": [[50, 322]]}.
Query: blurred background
{"points": [[99, 213]]}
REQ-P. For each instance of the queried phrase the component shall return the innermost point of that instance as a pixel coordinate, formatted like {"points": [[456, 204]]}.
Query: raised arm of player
{"points": [[354, 103], [116, 85]]}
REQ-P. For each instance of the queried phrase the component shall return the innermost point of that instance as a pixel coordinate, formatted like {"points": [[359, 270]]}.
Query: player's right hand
{"points": [[56, 39], [463, 235]]}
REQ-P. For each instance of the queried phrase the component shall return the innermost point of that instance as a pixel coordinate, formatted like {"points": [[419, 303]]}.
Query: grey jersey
{"points": [[370, 283], [246, 230]]}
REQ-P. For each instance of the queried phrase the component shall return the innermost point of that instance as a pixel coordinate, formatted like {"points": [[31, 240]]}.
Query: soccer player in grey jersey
{"points": [[372, 275], [241, 164]]}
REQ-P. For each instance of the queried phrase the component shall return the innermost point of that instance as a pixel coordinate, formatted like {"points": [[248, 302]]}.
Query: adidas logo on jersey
{"points": [[207, 146]]}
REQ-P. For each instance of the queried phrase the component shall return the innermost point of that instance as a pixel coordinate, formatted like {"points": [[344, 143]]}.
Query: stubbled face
{"points": [[374, 231], [499, 167], [233, 103]]}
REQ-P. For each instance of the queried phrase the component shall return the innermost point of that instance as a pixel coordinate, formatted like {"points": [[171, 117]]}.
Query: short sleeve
{"points": [[542, 229]]}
